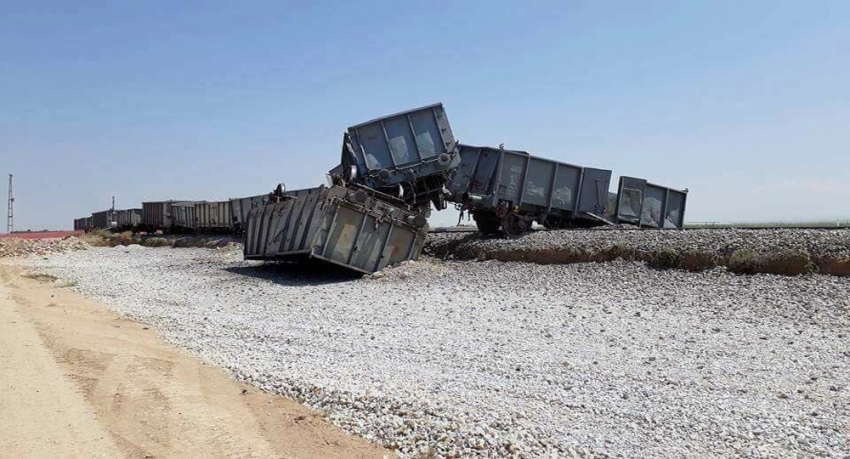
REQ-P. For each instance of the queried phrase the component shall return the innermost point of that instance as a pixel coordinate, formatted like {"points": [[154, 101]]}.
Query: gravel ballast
{"points": [[778, 251], [494, 359]]}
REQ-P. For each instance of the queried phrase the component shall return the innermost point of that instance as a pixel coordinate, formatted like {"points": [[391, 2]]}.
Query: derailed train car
{"points": [[357, 228], [409, 155], [239, 208], [392, 171], [649, 205], [509, 190]]}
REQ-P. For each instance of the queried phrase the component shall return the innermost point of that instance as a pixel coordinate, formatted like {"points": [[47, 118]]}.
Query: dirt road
{"points": [[79, 381]]}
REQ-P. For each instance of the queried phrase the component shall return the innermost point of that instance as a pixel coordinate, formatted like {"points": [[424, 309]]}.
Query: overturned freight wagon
{"points": [[357, 228], [511, 189], [408, 155]]}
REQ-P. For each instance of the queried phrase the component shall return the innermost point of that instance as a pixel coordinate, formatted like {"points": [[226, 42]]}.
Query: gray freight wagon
{"points": [[183, 217], [81, 224], [239, 208], [409, 155], [646, 204], [359, 229], [103, 220], [511, 189], [157, 216], [214, 217], [128, 220]]}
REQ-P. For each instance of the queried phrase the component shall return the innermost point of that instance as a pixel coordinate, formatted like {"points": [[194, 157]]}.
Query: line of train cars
{"points": [[177, 216], [393, 171]]}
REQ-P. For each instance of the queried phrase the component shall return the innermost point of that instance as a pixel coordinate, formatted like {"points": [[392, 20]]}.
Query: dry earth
{"points": [[78, 380]]}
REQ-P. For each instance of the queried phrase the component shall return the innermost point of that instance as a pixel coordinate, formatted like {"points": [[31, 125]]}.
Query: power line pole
{"points": [[10, 215]]}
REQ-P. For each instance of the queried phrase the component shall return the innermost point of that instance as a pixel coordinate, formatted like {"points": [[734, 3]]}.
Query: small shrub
{"points": [[564, 255], [833, 265], [788, 263], [666, 258], [700, 261], [156, 242], [744, 261], [125, 238], [620, 249]]}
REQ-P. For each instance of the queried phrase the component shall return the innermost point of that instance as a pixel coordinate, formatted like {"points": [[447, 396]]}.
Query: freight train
{"points": [[177, 216], [393, 170]]}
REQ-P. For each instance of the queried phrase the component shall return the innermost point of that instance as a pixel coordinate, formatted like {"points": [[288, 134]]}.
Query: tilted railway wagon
{"points": [[239, 208], [409, 155], [646, 204], [357, 228], [509, 190]]}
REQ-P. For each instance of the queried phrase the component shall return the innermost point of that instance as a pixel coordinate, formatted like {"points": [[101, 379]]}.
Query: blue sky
{"points": [[744, 103]]}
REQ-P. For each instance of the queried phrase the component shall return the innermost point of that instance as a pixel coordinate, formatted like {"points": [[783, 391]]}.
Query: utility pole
{"points": [[10, 215]]}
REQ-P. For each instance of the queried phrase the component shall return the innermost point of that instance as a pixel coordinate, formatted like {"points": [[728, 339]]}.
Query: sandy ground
{"points": [[76, 380]]}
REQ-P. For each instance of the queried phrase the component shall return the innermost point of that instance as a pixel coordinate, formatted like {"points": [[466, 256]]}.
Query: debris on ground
{"points": [[16, 247]]}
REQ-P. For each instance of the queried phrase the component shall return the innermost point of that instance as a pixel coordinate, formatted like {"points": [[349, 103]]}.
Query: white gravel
{"points": [[496, 358], [834, 242]]}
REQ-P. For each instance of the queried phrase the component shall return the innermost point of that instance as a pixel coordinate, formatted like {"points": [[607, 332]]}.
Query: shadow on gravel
{"points": [[297, 274]]}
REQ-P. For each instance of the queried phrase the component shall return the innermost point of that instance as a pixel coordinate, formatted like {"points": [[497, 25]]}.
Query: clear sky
{"points": [[747, 104]]}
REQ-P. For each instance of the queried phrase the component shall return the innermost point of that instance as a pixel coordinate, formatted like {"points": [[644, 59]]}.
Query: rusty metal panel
{"points": [[338, 225]]}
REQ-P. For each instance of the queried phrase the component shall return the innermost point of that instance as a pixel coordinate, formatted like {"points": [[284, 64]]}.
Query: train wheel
{"points": [[514, 226], [487, 224], [551, 223]]}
